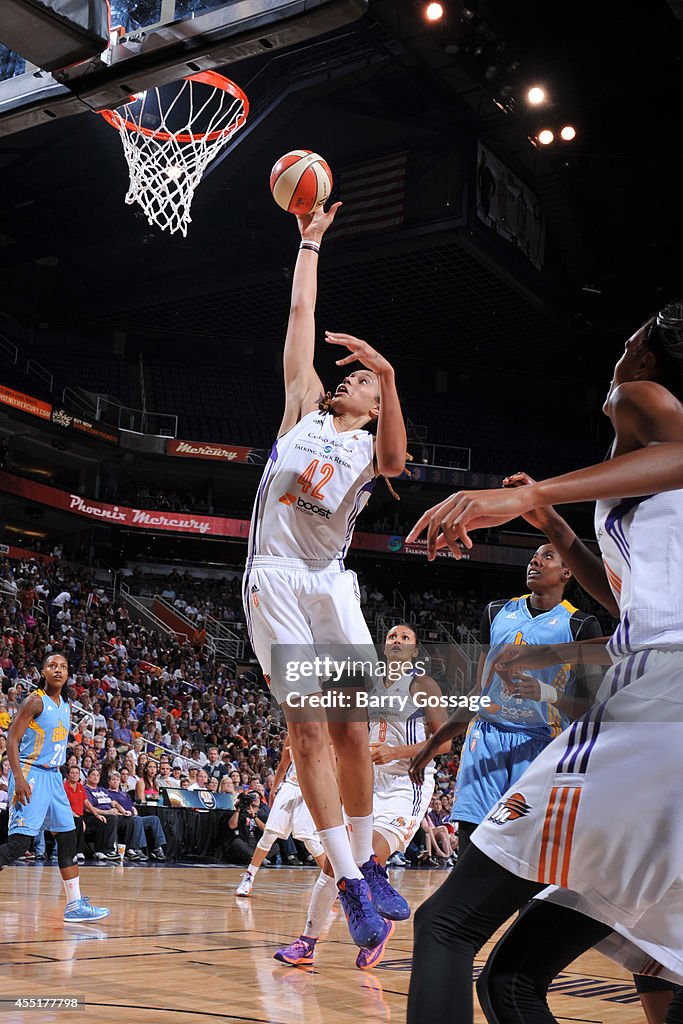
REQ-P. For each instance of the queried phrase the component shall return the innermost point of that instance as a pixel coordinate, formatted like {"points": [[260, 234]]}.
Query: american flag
{"points": [[373, 194]]}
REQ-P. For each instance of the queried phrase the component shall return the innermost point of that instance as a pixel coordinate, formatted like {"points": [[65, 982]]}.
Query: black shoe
{"points": [[158, 854], [132, 855], [293, 861], [142, 855]]}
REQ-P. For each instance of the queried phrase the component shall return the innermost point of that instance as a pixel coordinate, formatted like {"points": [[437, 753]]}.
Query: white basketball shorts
{"points": [[295, 613], [398, 805], [289, 815], [599, 815]]}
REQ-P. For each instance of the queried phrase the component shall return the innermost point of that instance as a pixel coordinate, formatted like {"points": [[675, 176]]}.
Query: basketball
{"points": [[301, 181]]}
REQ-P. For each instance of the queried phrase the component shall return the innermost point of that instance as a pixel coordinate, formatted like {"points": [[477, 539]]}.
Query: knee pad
{"points": [[314, 847], [266, 841], [390, 838], [15, 847], [66, 849]]}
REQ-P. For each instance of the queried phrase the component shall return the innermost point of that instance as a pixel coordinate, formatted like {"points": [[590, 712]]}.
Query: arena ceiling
{"points": [[71, 253]]}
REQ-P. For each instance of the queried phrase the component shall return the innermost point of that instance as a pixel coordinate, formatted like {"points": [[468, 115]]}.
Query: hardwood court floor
{"points": [[179, 948]]}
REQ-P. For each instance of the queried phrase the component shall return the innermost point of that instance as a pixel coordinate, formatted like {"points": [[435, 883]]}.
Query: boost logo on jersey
{"points": [[312, 510], [515, 806], [309, 507]]}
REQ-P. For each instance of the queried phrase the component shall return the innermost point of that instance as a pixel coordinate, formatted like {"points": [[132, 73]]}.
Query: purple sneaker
{"points": [[365, 925], [300, 952], [385, 899], [368, 958]]}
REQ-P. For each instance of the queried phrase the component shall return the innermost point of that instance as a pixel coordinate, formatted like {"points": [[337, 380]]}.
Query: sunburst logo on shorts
{"points": [[287, 498], [513, 807]]}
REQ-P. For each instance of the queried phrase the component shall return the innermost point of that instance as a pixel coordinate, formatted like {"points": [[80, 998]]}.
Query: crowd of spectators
{"points": [[150, 712], [157, 498]]}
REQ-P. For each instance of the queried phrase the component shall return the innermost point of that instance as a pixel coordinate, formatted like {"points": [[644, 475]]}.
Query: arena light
{"points": [[545, 136], [434, 11], [568, 133], [536, 95]]}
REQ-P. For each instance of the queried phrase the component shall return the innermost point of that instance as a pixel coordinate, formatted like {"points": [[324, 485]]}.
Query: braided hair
{"points": [[325, 405], [664, 338]]}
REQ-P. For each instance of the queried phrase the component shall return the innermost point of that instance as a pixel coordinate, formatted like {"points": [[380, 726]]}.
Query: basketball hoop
{"points": [[166, 162]]}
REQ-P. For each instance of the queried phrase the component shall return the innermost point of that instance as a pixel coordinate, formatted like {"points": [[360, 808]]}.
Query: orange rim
{"points": [[210, 78]]}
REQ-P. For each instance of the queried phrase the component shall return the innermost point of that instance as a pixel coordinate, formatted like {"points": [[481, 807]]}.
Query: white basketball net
{"points": [[166, 165]]}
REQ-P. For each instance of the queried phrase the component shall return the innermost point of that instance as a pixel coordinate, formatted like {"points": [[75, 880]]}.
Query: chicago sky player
{"points": [[36, 748], [296, 590], [506, 736]]}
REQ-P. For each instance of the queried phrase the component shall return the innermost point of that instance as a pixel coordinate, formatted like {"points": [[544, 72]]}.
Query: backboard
{"points": [[161, 41]]}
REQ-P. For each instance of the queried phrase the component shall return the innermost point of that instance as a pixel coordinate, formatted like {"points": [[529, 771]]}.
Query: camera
{"points": [[244, 801]]}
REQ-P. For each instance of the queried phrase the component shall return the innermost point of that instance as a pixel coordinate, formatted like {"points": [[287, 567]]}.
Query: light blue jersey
{"points": [[507, 736], [42, 752], [514, 624], [44, 742]]}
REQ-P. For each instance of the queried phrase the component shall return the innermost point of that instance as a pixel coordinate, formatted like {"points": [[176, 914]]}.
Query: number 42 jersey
{"points": [[315, 484]]}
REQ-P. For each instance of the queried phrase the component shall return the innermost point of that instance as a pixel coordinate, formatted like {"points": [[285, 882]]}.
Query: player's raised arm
{"points": [[642, 410], [30, 709], [392, 441], [303, 389], [586, 568]]}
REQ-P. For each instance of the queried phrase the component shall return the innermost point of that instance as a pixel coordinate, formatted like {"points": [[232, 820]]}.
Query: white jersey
{"points": [[641, 540], [291, 775], [397, 727], [316, 482]]}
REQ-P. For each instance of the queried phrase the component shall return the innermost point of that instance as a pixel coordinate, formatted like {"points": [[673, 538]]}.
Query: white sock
{"points": [[72, 888], [338, 849], [360, 836], [323, 896], [251, 870]]}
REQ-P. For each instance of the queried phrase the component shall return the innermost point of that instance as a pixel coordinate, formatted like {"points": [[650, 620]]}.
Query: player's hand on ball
{"points": [[524, 686], [22, 792], [382, 753], [314, 225], [360, 352]]}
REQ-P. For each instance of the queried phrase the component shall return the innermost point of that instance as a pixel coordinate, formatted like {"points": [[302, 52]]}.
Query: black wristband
{"points": [[313, 246]]}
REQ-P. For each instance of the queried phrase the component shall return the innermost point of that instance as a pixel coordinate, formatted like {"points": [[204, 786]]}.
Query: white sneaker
{"points": [[80, 858], [245, 886]]}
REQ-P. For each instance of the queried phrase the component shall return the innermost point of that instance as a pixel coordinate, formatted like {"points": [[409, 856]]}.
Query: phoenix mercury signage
{"points": [[208, 450]]}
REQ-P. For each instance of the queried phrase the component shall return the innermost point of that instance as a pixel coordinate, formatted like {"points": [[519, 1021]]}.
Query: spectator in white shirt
{"points": [[99, 721], [202, 780]]}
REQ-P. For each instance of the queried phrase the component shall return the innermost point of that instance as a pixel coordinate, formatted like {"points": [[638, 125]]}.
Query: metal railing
{"points": [[399, 602], [470, 648], [76, 402], [36, 369], [137, 421], [223, 644], [440, 456], [152, 620], [10, 349]]}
